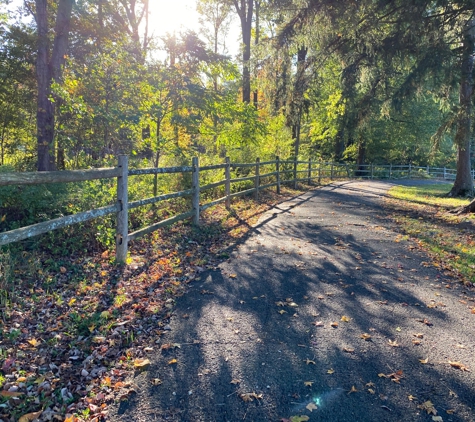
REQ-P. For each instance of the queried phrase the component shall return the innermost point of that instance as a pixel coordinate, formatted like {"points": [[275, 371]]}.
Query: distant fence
{"points": [[263, 175]]}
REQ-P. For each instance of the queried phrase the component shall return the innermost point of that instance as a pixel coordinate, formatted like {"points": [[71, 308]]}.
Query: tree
{"points": [[245, 10], [463, 185], [49, 64]]}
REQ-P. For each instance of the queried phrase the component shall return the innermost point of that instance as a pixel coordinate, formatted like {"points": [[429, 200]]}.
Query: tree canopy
{"points": [[359, 81]]}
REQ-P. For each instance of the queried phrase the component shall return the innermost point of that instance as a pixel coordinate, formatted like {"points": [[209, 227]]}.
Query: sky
{"points": [[174, 15]]}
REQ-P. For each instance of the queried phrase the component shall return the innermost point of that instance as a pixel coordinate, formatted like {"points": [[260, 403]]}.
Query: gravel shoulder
{"points": [[324, 311]]}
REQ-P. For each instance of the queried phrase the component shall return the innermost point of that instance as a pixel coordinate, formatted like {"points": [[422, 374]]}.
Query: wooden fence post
{"points": [[410, 170], [309, 171], [372, 171], [445, 173], [319, 172], [196, 191], [295, 172], [122, 230], [331, 172], [277, 169], [390, 170], [256, 180], [227, 185], [428, 170]]}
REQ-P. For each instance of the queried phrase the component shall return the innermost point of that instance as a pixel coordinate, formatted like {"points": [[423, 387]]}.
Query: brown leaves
{"points": [[458, 365], [29, 417], [394, 376], [141, 364], [428, 406], [248, 397], [365, 336]]}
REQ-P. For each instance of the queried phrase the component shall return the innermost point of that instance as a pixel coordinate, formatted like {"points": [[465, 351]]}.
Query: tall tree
{"points": [[48, 70], [245, 11]]}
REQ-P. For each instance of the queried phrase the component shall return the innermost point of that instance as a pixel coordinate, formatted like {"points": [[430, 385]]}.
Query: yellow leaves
{"points": [[33, 342], [458, 365], [411, 397], [344, 318], [30, 416], [311, 406], [232, 275], [282, 312], [428, 406], [172, 362], [301, 418], [331, 371], [393, 343], [424, 361], [308, 383], [365, 336], [309, 362], [141, 364], [353, 390], [71, 301], [398, 329], [248, 397]]}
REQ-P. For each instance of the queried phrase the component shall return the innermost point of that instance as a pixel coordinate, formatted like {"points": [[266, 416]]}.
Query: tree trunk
{"points": [[48, 70], [256, 42], [245, 12], [463, 185]]}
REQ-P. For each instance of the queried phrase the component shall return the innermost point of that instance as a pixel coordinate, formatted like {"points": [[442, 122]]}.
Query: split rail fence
{"points": [[272, 173]]}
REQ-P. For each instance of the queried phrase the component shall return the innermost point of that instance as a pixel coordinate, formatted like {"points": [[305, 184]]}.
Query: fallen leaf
{"points": [[34, 342], [450, 411], [141, 364], [398, 329], [308, 362], [353, 390], [302, 418], [156, 381], [311, 406], [172, 362], [437, 418], [424, 361], [428, 406], [365, 336], [348, 350], [247, 397], [418, 335], [381, 375], [459, 365], [235, 381], [344, 318], [11, 394], [308, 383], [30, 416], [280, 303], [232, 275], [393, 343], [334, 324], [331, 371], [411, 397], [282, 312], [371, 391], [318, 323], [293, 305]]}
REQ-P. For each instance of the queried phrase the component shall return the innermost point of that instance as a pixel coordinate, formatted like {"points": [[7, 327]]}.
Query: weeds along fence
{"points": [[259, 175]]}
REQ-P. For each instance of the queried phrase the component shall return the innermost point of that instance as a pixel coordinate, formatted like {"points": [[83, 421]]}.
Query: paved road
{"points": [[261, 323]]}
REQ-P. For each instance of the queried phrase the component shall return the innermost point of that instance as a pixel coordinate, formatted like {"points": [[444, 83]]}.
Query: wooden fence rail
{"points": [[278, 174]]}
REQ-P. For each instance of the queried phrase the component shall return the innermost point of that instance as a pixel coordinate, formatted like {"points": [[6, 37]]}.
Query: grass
{"points": [[423, 213]]}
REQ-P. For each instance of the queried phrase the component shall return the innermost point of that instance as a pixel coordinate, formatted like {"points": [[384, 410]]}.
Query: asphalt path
{"points": [[325, 311]]}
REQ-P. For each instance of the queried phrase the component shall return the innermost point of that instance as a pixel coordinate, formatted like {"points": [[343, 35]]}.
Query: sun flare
{"points": [[172, 16]]}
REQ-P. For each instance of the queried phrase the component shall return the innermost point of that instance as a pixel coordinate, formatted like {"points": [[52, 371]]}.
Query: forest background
{"points": [[385, 82]]}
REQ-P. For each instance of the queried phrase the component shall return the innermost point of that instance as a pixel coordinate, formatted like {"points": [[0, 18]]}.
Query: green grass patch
{"points": [[428, 195], [422, 212]]}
